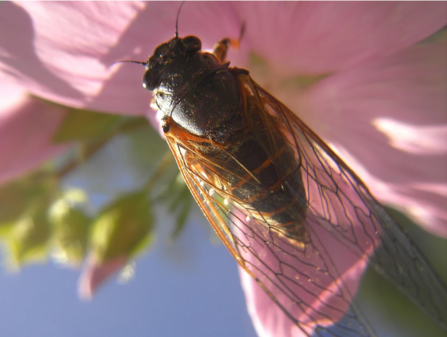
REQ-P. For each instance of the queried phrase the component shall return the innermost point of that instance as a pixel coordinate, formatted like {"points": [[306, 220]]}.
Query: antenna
{"points": [[130, 61], [176, 21]]}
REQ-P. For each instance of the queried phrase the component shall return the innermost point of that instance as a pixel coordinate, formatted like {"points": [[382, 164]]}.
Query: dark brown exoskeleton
{"points": [[207, 108], [288, 209]]}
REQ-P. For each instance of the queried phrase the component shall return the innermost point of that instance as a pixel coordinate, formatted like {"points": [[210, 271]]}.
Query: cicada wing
{"points": [[341, 205], [200, 186], [311, 289], [313, 282]]}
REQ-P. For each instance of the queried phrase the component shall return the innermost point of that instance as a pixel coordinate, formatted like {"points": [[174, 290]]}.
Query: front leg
{"points": [[221, 47]]}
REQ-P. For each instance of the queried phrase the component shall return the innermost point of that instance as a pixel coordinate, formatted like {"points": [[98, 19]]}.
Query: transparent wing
{"points": [[314, 281], [343, 206]]}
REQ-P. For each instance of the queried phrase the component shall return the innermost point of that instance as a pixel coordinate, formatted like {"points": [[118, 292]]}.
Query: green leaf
{"points": [[180, 202], [18, 196], [28, 240], [439, 36], [259, 65], [14, 198], [122, 227], [70, 233], [85, 125], [178, 195], [302, 82], [183, 215], [146, 147]]}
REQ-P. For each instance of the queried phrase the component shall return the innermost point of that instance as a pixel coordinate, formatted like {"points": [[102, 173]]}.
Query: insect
{"points": [[284, 204]]}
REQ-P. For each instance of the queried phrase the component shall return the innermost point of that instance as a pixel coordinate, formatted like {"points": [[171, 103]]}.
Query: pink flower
{"points": [[95, 273], [315, 285], [383, 106], [26, 128], [380, 100]]}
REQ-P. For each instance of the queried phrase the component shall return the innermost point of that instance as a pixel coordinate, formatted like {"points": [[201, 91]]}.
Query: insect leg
{"points": [[220, 48]]}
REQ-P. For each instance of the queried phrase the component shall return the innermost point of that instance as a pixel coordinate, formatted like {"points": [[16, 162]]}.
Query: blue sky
{"points": [[190, 288]]}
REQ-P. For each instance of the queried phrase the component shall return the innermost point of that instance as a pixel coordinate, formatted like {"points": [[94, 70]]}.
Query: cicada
{"points": [[286, 207]]}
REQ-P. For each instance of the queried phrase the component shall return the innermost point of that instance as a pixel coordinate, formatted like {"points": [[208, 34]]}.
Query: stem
{"points": [[92, 148]]}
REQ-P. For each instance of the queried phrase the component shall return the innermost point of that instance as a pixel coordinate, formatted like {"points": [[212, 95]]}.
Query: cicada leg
{"points": [[220, 48]]}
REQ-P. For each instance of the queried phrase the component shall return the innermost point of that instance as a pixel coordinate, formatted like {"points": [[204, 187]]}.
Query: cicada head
{"points": [[166, 55], [192, 88], [174, 68]]}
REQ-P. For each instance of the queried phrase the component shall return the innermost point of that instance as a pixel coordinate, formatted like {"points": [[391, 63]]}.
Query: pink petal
{"points": [[426, 203], [322, 297], [314, 283], [64, 51], [317, 37], [95, 273], [388, 120], [26, 128], [57, 50]]}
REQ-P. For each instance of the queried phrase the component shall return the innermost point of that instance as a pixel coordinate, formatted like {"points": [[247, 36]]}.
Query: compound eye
{"points": [[192, 43], [151, 80]]}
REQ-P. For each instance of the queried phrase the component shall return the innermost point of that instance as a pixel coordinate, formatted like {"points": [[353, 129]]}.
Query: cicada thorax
{"points": [[225, 137]]}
